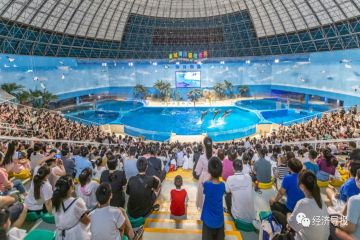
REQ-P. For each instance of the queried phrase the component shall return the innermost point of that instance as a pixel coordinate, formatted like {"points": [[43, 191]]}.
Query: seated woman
{"points": [[326, 166], [117, 180], [39, 198], [71, 218], [87, 188], [6, 186], [108, 222], [307, 209], [290, 188]]}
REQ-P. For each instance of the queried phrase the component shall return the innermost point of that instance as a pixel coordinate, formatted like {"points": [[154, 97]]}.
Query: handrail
{"points": [[54, 140], [17, 129], [80, 119], [111, 144], [319, 141]]}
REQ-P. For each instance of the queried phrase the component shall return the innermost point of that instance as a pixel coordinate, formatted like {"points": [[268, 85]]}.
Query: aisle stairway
{"points": [[159, 225]]}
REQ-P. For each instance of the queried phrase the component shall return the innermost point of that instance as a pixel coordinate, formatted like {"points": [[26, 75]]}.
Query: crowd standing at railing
{"points": [[101, 175]]}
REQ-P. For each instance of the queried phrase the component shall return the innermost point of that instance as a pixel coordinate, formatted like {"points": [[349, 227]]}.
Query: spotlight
{"points": [[277, 60], [247, 61], [222, 62], [154, 63], [131, 64], [177, 63]]}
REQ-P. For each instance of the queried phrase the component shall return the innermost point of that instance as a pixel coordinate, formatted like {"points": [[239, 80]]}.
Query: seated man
{"points": [[347, 190], [155, 165], [290, 188], [239, 198], [143, 191], [262, 168], [108, 222], [81, 160]]}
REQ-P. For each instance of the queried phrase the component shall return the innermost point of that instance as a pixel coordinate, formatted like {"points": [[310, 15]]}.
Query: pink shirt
{"points": [[228, 169], [3, 178]]}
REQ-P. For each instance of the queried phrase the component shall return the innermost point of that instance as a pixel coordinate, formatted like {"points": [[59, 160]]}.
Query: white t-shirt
{"points": [[46, 193], [240, 186], [88, 193], [105, 223], [311, 210], [246, 169], [68, 219], [35, 158]]}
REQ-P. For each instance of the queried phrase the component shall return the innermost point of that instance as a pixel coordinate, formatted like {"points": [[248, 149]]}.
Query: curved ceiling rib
{"points": [[270, 17]]}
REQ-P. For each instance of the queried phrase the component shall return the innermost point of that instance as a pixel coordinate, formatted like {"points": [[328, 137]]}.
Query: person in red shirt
{"points": [[179, 200]]}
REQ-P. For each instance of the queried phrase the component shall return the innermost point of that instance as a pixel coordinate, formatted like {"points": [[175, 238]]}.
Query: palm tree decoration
{"points": [[23, 97], [140, 91], [164, 88], [11, 88], [47, 97], [194, 95], [176, 95], [229, 87], [36, 98], [243, 90], [220, 89]]}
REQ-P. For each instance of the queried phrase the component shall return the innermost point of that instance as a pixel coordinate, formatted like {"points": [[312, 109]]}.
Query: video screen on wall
{"points": [[188, 79]]}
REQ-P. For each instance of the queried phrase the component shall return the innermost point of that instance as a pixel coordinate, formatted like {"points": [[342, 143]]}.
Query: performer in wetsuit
{"points": [[216, 112]]}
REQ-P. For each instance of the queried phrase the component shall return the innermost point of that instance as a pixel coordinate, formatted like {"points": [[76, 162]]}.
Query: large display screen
{"points": [[188, 79]]}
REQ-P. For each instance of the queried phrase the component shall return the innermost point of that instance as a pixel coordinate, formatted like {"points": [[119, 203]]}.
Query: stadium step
{"points": [[182, 234], [190, 216], [182, 224]]}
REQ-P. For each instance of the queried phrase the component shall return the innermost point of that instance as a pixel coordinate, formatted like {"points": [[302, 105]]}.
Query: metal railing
{"points": [[306, 118]]}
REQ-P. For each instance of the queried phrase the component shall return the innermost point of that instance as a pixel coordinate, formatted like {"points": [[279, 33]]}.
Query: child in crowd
{"points": [[99, 169], [246, 164], [173, 166], [179, 199], [109, 222], [212, 213], [87, 188], [188, 159], [281, 170], [311, 164]]}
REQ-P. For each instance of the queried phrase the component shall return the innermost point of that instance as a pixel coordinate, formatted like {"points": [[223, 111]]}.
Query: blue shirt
{"points": [[80, 164], [130, 168], [313, 167], [293, 192], [213, 211], [349, 189]]}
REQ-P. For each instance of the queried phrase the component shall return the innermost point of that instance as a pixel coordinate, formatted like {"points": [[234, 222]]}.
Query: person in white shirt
{"points": [[310, 207], [87, 188], [39, 198], [188, 159], [71, 215], [240, 194], [109, 222]]}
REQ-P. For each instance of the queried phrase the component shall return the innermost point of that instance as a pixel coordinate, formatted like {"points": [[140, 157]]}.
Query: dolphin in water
{"points": [[203, 114], [226, 113], [216, 112]]}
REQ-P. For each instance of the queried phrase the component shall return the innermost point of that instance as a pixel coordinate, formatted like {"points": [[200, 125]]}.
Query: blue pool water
{"points": [[186, 121], [278, 103], [157, 123], [288, 116]]}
